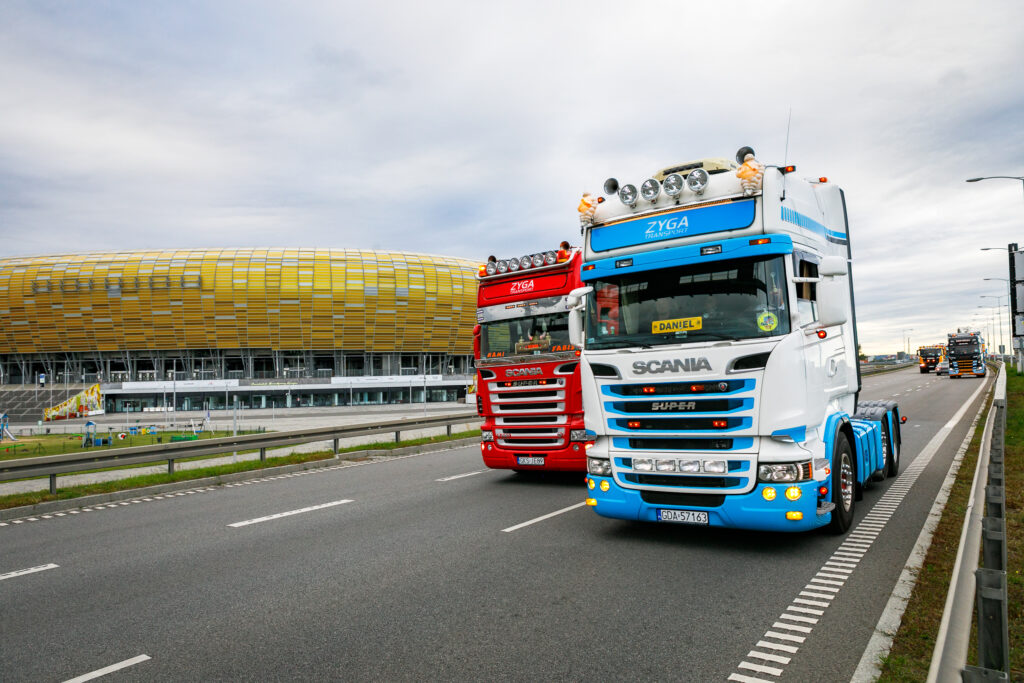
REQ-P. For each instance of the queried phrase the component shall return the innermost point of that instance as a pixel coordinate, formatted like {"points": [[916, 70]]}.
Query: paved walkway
{"points": [[280, 420]]}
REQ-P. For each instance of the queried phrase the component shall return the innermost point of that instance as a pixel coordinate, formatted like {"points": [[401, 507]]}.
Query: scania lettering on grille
{"points": [[655, 367], [673, 405], [522, 372]]}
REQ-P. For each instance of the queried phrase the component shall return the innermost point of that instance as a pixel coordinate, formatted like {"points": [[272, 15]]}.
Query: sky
{"points": [[472, 128]]}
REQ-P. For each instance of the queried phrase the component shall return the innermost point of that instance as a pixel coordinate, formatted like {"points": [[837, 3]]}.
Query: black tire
{"points": [[844, 485], [923, 371], [892, 451]]}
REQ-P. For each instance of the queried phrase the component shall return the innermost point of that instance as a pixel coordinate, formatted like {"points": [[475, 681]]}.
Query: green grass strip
{"points": [[35, 497]]}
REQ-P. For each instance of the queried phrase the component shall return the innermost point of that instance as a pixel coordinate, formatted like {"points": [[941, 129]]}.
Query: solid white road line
{"points": [[542, 518], [289, 513], [108, 669], [30, 570], [460, 476]]}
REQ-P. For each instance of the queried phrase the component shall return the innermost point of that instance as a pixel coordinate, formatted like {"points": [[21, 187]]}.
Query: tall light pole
{"points": [[1000, 316], [992, 322], [993, 177]]}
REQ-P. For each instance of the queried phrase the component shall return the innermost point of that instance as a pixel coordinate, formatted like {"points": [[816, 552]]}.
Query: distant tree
{"points": [[860, 354]]}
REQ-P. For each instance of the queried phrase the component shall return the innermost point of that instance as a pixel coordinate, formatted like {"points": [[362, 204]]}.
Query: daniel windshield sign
{"points": [[681, 222]]}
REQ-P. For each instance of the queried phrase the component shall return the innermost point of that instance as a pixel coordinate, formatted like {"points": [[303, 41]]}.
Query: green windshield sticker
{"points": [[767, 321]]}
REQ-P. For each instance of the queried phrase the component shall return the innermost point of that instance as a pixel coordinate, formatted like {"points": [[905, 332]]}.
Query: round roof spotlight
{"points": [[649, 190], [513, 264], [742, 153], [697, 180], [550, 258], [627, 195], [673, 184], [538, 260], [611, 186], [502, 266], [525, 262], [492, 267]]}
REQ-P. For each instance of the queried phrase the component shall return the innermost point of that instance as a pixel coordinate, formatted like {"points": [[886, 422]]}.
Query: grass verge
{"points": [[35, 497], [912, 648]]}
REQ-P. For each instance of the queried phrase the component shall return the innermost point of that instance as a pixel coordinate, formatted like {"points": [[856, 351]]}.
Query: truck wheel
{"points": [[844, 484], [892, 454], [923, 371]]}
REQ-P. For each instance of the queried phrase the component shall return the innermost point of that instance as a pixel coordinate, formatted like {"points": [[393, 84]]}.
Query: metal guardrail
{"points": [[52, 465], [985, 588]]}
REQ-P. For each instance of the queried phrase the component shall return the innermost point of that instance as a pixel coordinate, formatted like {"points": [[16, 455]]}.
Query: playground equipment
{"points": [[4, 431]]}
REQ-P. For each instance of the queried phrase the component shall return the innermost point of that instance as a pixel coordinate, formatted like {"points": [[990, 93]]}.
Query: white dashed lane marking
{"points": [[30, 570], [108, 669], [289, 513]]}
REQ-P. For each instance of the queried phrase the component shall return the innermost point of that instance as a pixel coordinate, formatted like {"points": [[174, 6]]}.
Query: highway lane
{"points": [[414, 578]]}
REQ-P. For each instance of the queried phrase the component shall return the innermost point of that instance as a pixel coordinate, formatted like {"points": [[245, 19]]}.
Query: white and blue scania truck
{"points": [[719, 364]]}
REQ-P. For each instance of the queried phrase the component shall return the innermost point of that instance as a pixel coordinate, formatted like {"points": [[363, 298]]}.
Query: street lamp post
{"points": [[992, 323], [999, 317], [992, 177]]}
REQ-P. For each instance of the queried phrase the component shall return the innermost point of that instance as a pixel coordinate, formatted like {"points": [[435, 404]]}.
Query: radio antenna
{"points": [[785, 155]]}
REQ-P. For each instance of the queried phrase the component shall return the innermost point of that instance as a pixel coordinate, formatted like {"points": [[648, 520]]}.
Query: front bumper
{"points": [[567, 459], [744, 511]]}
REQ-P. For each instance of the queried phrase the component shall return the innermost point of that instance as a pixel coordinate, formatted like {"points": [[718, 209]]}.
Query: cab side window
{"points": [[806, 292]]}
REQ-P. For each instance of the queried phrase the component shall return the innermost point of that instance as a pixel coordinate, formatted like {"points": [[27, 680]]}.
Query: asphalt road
{"points": [[417, 569]]}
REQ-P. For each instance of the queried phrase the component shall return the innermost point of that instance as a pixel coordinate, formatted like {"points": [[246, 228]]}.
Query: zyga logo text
{"points": [[521, 286]]}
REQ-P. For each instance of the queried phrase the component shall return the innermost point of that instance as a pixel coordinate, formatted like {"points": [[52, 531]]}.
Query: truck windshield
{"points": [[931, 352], [525, 336], [740, 299], [962, 348]]}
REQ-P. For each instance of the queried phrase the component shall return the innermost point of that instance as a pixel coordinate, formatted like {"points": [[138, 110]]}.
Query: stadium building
{"points": [[263, 327]]}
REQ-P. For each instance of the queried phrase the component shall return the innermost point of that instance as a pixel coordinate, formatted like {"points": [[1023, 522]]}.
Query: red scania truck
{"points": [[528, 378]]}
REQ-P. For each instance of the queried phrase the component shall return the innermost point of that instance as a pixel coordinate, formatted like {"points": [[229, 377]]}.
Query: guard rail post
{"points": [[53, 484], [263, 455], [398, 437], [990, 580], [170, 465]]}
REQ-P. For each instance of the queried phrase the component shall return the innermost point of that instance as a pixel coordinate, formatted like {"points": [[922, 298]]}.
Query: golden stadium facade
{"points": [[201, 315]]}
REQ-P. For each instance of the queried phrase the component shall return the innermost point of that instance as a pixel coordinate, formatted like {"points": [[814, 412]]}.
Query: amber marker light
{"points": [[761, 240], [768, 493], [591, 502], [633, 424], [648, 390], [794, 515], [719, 424]]}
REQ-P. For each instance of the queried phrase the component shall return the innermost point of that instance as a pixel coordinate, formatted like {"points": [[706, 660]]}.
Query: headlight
{"points": [[666, 465], [538, 260], [673, 184], [513, 264], [689, 465], [697, 180], [643, 464], [627, 195], [716, 466], [486, 436], [649, 189], [601, 467], [780, 472], [502, 266], [525, 262], [550, 257], [491, 267], [579, 435]]}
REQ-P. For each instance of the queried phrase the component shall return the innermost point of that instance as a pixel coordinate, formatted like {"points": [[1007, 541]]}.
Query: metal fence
{"points": [[980, 590], [53, 465]]}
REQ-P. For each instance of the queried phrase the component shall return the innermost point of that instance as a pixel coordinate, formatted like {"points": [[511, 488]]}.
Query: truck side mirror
{"points": [[575, 301], [833, 301], [832, 265]]}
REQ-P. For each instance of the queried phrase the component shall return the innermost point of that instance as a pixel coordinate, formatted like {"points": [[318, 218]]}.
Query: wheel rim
{"points": [[846, 482]]}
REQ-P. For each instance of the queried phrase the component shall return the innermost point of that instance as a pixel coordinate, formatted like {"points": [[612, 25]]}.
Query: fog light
{"points": [[649, 190], [673, 184], [697, 180], [575, 446], [502, 266], [628, 195], [643, 464], [605, 485], [688, 465], [666, 465], [794, 515], [793, 493], [768, 493], [538, 260], [550, 258], [591, 502], [716, 466], [590, 484], [490, 446], [491, 268]]}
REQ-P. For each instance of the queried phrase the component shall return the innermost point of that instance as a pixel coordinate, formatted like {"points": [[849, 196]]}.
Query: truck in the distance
{"points": [[929, 356], [725, 393], [966, 353], [528, 380]]}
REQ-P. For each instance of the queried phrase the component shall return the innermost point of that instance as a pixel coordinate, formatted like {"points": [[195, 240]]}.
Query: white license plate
{"points": [[529, 460], [683, 516]]}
